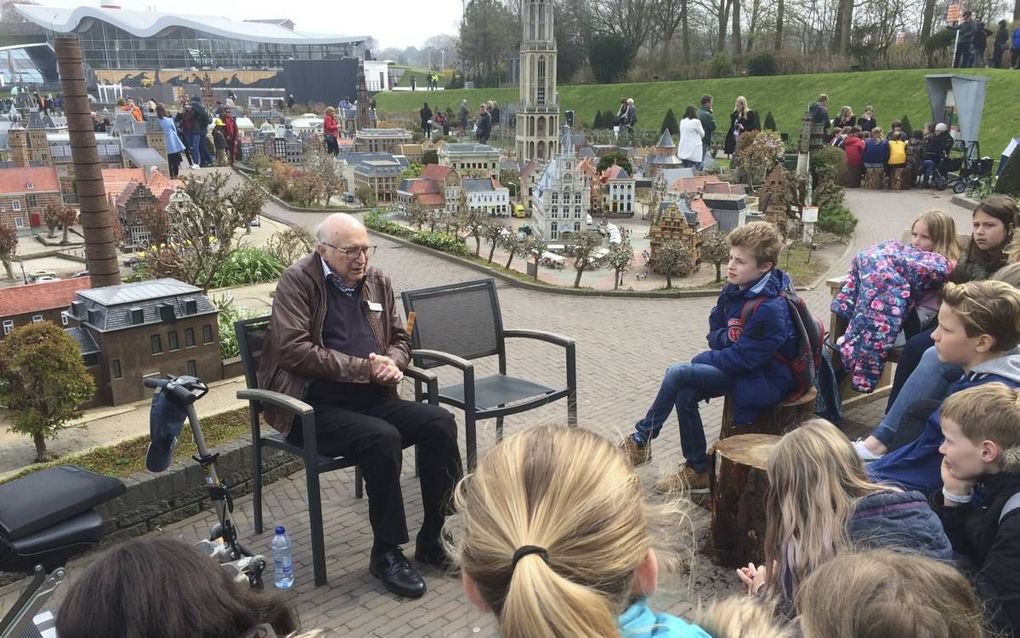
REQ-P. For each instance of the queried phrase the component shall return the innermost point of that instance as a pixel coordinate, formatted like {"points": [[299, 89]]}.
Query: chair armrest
{"points": [[445, 357], [835, 283], [540, 335], [276, 399], [427, 377]]}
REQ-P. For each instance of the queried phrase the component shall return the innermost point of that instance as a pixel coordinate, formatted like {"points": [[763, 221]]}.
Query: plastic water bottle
{"points": [[283, 566]]}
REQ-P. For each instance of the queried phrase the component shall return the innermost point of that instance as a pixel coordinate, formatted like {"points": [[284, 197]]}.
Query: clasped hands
{"points": [[384, 370]]}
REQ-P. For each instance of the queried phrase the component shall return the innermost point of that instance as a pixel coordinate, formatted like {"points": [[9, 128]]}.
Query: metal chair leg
{"points": [[470, 439], [315, 525], [499, 428], [257, 488], [358, 489]]}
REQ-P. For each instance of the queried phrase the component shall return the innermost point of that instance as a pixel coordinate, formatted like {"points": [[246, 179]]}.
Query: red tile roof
{"points": [[116, 179], [693, 184], [435, 172], [423, 186], [48, 295], [432, 200], [15, 180], [706, 219]]}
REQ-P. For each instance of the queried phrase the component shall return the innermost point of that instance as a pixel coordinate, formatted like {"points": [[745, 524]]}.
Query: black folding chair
{"points": [[250, 337], [458, 323]]}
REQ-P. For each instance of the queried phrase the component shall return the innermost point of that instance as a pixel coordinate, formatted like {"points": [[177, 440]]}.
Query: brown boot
{"points": [[685, 480], [636, 453]]}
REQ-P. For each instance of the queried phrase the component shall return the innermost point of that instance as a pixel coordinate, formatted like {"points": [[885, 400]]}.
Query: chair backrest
{"points": [[460, 319], [251, 334]]}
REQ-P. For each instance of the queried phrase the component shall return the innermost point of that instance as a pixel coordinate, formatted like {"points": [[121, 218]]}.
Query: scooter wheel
{"points": [[959, 186]]}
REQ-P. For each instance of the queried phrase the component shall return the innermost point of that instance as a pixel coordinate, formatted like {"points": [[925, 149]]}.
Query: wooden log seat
{"points": [[852, 177], [874, 178], [901, 178], [776, 420], [739, 484]]}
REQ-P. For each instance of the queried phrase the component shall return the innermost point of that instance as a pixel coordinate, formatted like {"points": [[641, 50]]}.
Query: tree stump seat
{"points": [[901, 178], [739, 483], [874, 178], [775, 420], [852, 177]]}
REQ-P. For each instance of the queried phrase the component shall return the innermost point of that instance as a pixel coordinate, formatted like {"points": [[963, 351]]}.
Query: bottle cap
{"points": [[279, 529]]}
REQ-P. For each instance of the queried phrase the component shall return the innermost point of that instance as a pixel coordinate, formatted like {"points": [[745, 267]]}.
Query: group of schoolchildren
{"points": [[868, 146], [912, 532]]}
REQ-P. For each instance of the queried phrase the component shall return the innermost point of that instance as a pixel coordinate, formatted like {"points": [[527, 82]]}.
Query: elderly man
{"points": [[335, 341]]}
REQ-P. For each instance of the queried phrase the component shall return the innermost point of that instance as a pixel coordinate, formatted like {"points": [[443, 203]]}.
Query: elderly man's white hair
{"points": [[335, 222]]}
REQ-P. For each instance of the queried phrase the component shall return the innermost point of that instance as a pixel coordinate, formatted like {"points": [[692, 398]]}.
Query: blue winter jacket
{"points": [[899, 520], [875, 152], [641, 622], [757, 355], [918, 465]]}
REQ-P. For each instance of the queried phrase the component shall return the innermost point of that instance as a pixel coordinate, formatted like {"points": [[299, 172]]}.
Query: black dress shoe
{"points": [[434, 555], [397, 574]]}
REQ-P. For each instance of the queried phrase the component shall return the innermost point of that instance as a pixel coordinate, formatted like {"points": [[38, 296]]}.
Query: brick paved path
{"points": [[623, 345]]}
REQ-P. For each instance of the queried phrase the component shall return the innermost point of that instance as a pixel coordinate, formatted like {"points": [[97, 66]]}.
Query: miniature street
{"points": [[622, 344]]}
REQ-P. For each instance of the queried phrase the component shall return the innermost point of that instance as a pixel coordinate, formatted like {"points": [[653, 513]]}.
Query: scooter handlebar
{"points": [[155, 383]]}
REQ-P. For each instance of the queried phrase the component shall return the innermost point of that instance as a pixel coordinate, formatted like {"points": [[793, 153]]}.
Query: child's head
{"points": [[754, 250], [981, 426], [917, 135], [815, 477], [742, 617], [886, 594], [1009, 274], [994, 220], [935, 232], [570, 497], [876, 133], [977, 320]]}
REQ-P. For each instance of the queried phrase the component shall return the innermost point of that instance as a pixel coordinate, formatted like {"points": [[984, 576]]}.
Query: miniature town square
{"points": [[273, 302]]}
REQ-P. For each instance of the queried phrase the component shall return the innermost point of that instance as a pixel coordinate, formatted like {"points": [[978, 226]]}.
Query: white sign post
{"points": [[808, 219]]}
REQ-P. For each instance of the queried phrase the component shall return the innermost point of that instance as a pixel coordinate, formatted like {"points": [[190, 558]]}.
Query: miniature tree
{"points": [[430, 157], [513, 243], [324, 168], [617, 158], [306, 187], [248, 199], [42, 381], [757, 152], [290, 245], [51, 216], [770, 122], [493, 231], [673, 260], [621, 258], [586, 243], [156, 221], [1009, 180], [532, 247], [472, 220], [8, 247], [365, 195], [669, 122], [715, 249], [59, 214]]}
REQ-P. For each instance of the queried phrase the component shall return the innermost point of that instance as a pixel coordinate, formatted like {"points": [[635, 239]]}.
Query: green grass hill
{"points": [[892, 93]]}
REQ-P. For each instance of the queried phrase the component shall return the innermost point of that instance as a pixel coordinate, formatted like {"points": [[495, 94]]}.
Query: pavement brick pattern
{"points": [[623, 346]]}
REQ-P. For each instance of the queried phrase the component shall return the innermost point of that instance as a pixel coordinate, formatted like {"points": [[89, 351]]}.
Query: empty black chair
{"points": [[458, 323], [250, 337]]}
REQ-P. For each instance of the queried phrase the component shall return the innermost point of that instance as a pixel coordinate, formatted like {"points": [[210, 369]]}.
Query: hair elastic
{"points": [[524, 550]]}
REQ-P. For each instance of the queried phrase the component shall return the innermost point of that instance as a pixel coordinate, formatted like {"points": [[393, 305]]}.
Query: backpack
{"points": [[811, 340]]}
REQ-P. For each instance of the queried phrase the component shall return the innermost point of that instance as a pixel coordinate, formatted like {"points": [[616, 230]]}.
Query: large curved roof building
{"points": [[114, 38]]}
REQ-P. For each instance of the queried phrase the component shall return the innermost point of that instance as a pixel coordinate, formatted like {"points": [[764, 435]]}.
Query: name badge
{"points": [[374, 306]]}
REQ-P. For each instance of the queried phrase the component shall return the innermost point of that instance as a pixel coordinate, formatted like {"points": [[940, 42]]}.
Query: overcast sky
{"points": [[392, 23]]}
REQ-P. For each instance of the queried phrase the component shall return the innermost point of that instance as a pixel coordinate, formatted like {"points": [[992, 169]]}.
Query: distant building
{"points": [[381, 140], [486, 194], [618, 191], [382, 174], [46, 301], [538, 112], [146, 329], [682, 220], [467, 157], [663, 156]]}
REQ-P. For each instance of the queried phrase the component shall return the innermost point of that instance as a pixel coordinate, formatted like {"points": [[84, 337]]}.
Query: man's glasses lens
{"points": [[352, 253]]}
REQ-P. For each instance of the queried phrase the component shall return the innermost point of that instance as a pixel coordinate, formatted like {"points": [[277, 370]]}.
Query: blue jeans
{"points": [[683, 386], [195, 145], [927, 166], [929, 380]]}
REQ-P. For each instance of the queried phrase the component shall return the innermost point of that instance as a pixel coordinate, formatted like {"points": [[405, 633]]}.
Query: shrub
{"points": [[289, 245], [669, 123], [763, 63], [720, 66], [831, 158], [838, 221], [908, 128], [770, 122], [229, 313], [248, 266], [445, 242], [374, 219]]}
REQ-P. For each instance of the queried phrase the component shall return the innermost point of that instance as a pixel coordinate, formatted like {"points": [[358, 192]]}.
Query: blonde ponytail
{"points": [[551, 528]]}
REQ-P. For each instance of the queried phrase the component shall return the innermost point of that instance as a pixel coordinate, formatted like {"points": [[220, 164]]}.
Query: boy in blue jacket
{"points": [[978, 329], [751, 362]]}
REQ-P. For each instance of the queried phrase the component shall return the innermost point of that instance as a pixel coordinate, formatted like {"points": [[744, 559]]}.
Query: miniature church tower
{"points": [[18, 140], [538, 113], [363, 105], [154, 136]]}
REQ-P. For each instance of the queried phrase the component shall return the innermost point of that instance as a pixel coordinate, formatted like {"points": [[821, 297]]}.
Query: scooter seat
{"points": [[47, 516], [52, 546], [42, 499]]}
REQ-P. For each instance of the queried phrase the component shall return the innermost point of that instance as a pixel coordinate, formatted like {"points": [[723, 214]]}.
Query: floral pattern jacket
{"points": [[884, 283]]}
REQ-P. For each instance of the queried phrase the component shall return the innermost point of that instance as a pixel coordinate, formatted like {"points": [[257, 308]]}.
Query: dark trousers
{"points": [[1014, 58], [909, 358], [367, 424], [174, 162]]}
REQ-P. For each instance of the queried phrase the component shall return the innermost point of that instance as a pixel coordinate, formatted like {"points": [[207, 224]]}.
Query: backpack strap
{"points": [[1013, 503], [749, 308]]}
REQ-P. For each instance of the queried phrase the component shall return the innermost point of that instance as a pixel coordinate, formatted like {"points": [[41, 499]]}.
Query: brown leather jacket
{"points": [[293, 354]]}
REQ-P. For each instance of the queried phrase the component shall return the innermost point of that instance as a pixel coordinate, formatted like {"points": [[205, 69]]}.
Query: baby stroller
{"points": [[974, 176]]}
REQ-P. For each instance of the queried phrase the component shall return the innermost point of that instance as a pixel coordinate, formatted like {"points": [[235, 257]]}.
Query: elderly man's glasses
{"points": [[353, 251]]}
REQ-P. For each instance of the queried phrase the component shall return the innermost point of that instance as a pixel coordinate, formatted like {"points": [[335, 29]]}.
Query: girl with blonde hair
{"points": [[553, 536], [884, 594], [820, 503]]}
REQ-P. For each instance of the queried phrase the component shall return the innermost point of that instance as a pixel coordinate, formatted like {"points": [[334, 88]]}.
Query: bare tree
{"points": [[621, 258], [715, 249], [8, 247], [673, 260], [586, 245]]}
